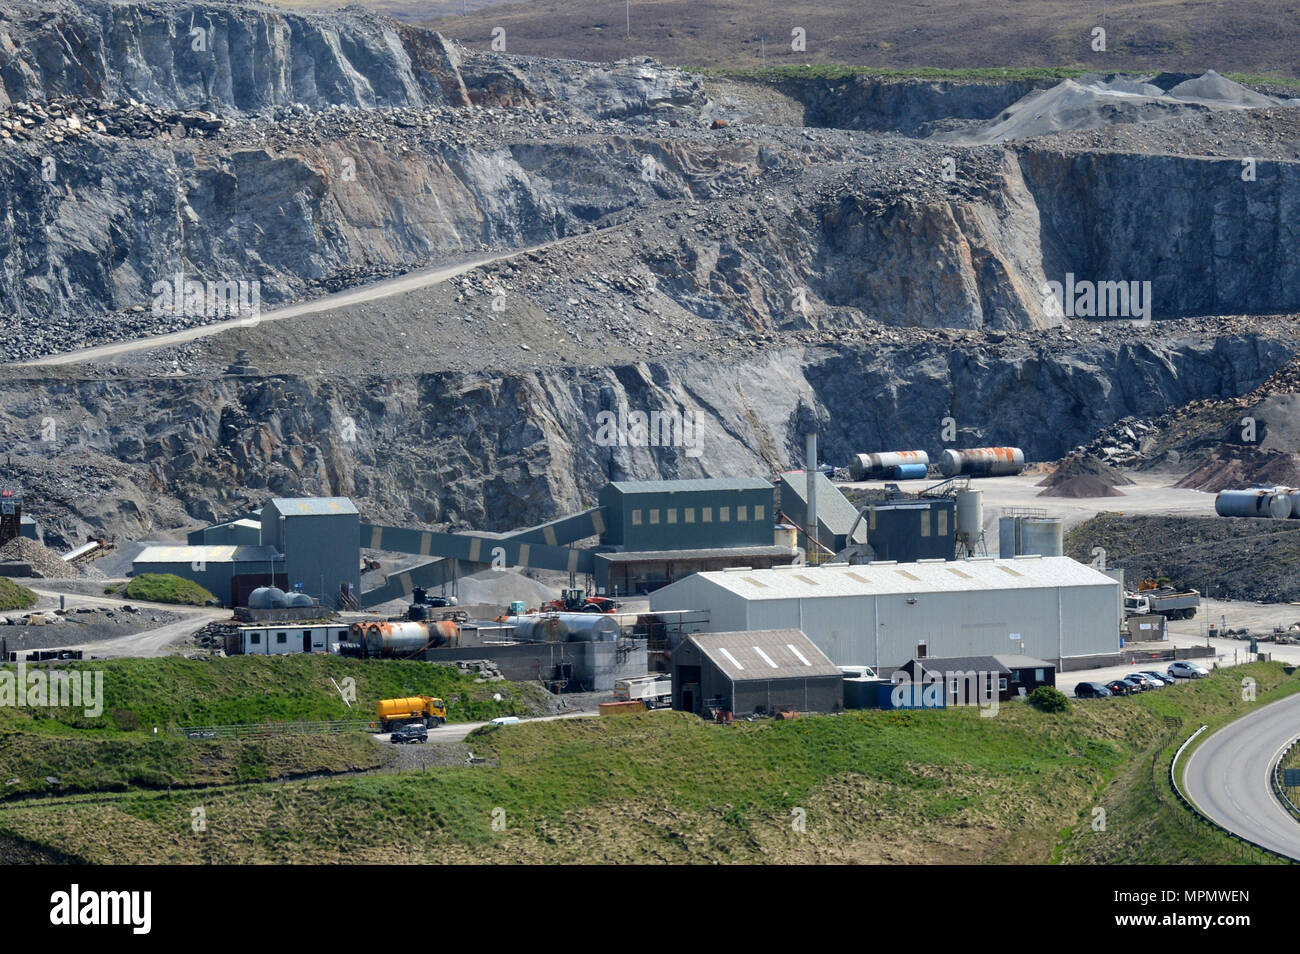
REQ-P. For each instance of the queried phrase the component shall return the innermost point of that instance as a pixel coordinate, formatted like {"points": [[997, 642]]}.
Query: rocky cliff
{"points": [[757, 276]]}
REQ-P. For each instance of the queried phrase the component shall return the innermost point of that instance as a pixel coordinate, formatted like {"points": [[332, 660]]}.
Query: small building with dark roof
{"points": [[1012, 671], [763, 671]]}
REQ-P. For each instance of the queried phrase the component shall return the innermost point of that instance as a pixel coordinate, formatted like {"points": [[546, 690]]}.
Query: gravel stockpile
{"points": [[1082, 476], [44, 561], [1240, 466]]}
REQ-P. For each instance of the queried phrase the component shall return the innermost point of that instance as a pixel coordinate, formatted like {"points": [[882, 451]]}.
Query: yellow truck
{"points": [[426, 709]]}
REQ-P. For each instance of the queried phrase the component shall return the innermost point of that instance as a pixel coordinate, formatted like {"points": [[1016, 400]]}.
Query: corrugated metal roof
{"points": [[834, 512], [765, 654], [228, 553], [689, 486], [904, 578], [995, 662], [295, 506]]}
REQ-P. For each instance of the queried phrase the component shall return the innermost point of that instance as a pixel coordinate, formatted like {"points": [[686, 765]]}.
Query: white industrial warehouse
{"points": [[883, 614]]}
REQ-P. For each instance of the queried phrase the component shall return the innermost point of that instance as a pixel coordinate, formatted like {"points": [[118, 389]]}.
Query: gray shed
{"points": [[762, 671]]}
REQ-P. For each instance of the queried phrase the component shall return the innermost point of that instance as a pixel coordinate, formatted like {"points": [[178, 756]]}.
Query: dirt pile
{"points": [[1235, 466], [1221, 557], [1083, 476], [44, 561]]}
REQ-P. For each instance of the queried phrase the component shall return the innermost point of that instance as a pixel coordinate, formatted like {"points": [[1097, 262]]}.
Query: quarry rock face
{"points": [[505, 450], [877, 266]]}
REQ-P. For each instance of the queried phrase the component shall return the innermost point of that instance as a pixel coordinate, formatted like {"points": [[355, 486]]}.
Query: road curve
{"points": [[382, 289], [1227, 776]]}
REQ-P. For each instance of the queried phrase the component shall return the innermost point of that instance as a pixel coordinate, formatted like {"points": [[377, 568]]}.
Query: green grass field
{"points": [[167, 588], [118, 748], [908, 787], [13, 596]]}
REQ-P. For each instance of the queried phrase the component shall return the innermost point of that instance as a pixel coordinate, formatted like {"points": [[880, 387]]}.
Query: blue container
{"points": [[908, 472]]}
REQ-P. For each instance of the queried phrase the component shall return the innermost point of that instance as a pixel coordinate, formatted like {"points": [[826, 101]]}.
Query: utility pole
{"points": [[762, 46], [628, 10]]}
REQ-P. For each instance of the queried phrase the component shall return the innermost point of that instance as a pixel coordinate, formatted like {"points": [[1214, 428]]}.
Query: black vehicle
{"points": [[406, 734], [1121, 687], [1091, 690]]}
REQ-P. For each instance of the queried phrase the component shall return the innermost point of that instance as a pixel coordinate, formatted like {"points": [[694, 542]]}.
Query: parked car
{"points": [[1162, 677], [506, 720], [1187, 670], [1145, 682], [1121, 687], [1091, 690], [406, 734]]}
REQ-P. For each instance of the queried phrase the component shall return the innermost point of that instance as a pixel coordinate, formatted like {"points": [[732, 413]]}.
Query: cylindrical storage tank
{"points": [[443, 632], [1256, 502], [267, 597], [983, 461], [565, 627], [863, 466], [1044, 537], [397, 639], [970, 513], [592, 628], [786, 536], [1007, 542], [908, 472], [301, 600], [1278, 506], [537, 629], [1292, 494]]}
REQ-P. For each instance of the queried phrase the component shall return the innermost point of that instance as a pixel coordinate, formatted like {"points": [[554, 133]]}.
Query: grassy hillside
{"points": [[142, 693], [1248, 36], [944, 786], [167, 588], [13, 596], [119, 749]]}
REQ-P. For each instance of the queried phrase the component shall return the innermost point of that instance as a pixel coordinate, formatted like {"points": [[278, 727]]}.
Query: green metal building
{"points": [[644, 515]]}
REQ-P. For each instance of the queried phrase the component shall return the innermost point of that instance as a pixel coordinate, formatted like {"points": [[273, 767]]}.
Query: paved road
{"points": [[456, 732], [1227, 776], [383, 289]]}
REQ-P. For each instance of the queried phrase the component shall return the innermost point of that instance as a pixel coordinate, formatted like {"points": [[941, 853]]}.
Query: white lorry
{"points": [[1166, 601], [654, 690]]}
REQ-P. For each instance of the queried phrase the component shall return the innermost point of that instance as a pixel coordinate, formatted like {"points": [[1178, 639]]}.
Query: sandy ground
{"points": [[1151, 493]]}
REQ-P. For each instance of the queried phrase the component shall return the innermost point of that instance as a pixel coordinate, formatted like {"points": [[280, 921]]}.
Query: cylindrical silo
{"points": [[1042, 536], [983, 461], [907, 472], [565, 627], [397, 639], [1255, 502], [864, 466], [1008, 537], [970, 513], [1292, 494]]}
